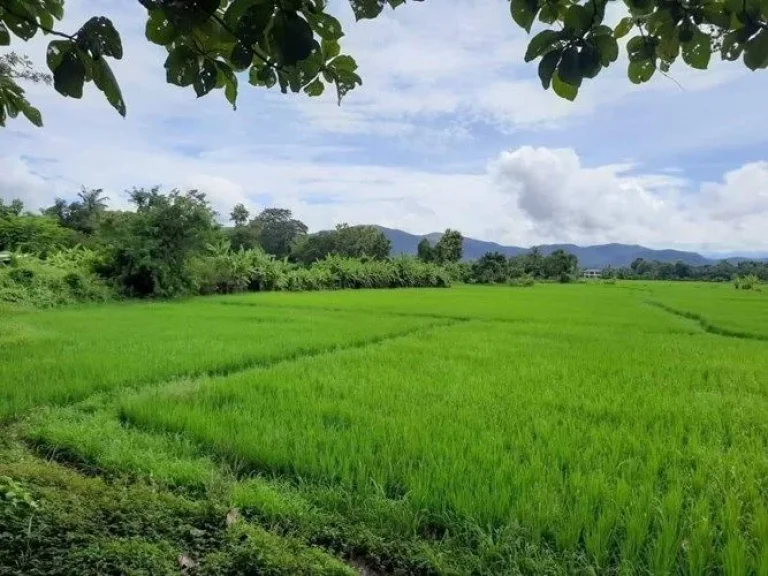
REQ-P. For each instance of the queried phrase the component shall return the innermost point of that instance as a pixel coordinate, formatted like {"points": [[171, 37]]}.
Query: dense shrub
{"points": [[748, 282], [65, 277], [524, 281], [34, 234]]}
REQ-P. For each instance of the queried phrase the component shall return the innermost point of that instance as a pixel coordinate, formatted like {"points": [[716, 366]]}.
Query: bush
{"points": [[524, 281], [34, 234], [65, 277], [748, 282]]}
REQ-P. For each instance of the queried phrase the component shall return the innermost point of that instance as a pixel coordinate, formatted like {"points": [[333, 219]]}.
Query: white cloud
{"points": [[565, 201], [525, 196]]}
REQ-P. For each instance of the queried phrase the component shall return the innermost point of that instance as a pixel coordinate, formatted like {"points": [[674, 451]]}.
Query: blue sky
{"points": [[450, 129]]}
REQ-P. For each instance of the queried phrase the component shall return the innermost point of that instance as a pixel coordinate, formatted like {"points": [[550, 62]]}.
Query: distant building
{"points": [[593, 273]]}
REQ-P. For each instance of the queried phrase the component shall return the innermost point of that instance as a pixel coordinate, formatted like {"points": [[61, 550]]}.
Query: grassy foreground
{"points": [[478, 430]]}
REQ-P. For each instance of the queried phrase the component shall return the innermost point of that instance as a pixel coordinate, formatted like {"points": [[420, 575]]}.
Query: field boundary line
{"points": [[706, 325], [375, 312], [263, 364]]}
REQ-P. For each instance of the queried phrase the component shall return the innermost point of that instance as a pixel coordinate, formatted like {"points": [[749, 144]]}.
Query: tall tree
{"points": [[277, 231], [239, 215], [349, 241], [425, 251], [149, 249], [450, 247], [15, 208], [561, 265], [81, 215], [491, 268], [295, 43], [533, 263], [359, 241]]}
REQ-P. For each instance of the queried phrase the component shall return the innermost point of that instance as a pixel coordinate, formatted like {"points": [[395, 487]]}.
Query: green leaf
{"points": [[668, 47], [589, 61], [623, 27], [733, 45], [716, 14], [697, 52], [46, 21], [548, 14], [250, 28], [106, 82], [314, 88], [608, 47], [69, 75], [578, 19], [159, 29], [326, 26], [293, 38], [241, 57], [56, 51], [264, 76], [346, 82], [542, 43], [568, 70], [756, 51], [367, 8], [100, 35], [524, 12], [344, 62], [640, 7], [330, 48], [640, 48], [227, 76], [547, 67], [5, 37], [685, 31], [602, 30], [182, 66], [206, 78], [236, 9], [640, 71], [55, 7], [23, 25], [563, 89], [32, 114]]}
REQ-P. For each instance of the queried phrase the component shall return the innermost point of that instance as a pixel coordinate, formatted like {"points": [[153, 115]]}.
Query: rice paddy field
{"points": [[559, 429]]}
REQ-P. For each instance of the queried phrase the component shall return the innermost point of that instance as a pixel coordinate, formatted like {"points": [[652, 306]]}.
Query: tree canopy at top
{"points": [[295, 44]]}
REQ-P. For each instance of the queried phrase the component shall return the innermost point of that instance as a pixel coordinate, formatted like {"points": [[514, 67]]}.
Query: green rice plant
{"points": [[69, 354], [502, 424], [558, 430]]}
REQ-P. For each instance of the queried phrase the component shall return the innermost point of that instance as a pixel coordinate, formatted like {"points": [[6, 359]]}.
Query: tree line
{"points": [[171, 244], [722, 271]]}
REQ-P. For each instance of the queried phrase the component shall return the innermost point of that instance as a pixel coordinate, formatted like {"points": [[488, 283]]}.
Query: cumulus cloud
{"points": [[524, 196], [566, 201]]}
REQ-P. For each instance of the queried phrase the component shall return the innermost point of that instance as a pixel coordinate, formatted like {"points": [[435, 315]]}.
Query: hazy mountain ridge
{"points": [[597, 256]]}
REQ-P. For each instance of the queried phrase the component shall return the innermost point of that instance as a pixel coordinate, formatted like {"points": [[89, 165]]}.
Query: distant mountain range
{"points": [[598, 256]]}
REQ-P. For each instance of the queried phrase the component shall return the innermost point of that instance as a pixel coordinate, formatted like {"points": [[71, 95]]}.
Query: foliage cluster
{"points": [[523, 270], [295, 44], [172, 245], [748, 282], [63, 277], [448, 249], [723, 271]]}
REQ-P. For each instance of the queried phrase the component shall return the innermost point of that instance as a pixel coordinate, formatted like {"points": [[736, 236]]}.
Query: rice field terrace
{"points": [[558, 429]]}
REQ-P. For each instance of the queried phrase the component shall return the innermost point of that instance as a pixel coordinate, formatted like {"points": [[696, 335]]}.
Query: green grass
{"points": [[718, 307], [577, 436], [477, 430], [65, 355]]}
